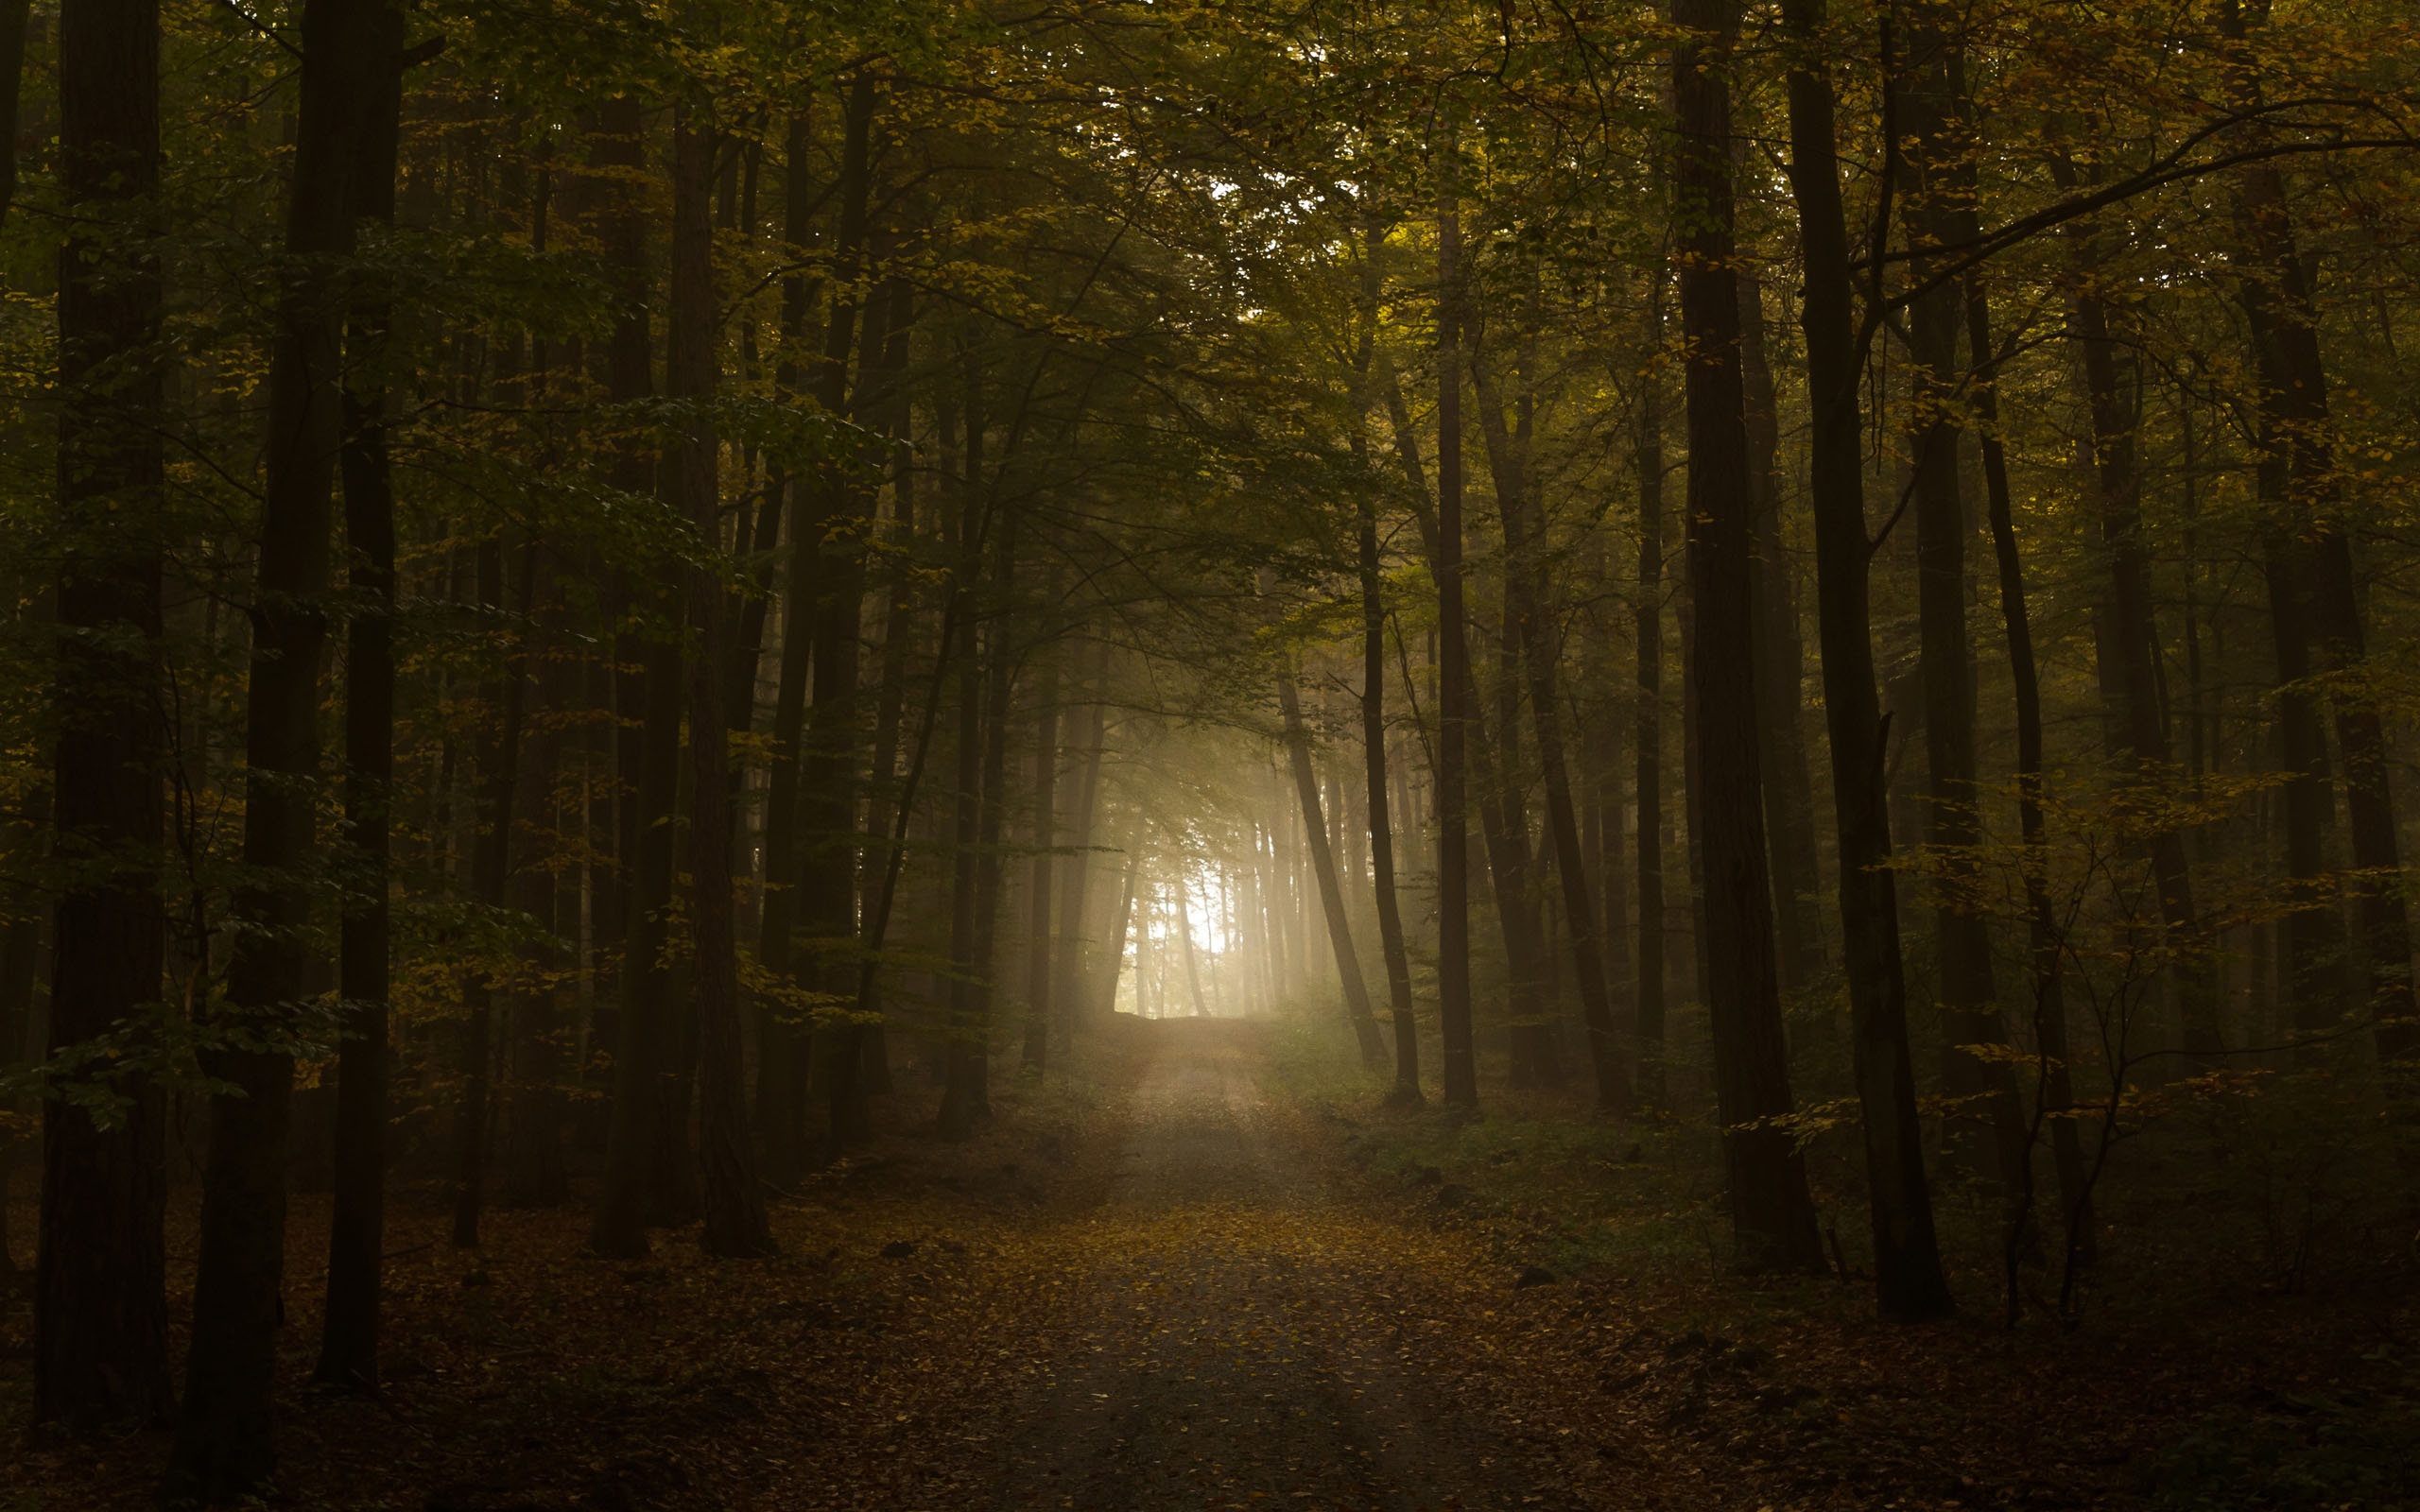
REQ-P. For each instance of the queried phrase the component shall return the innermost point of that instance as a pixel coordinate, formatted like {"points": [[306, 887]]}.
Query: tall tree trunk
{"points": [[647, 759], [14, 14], [1454, 699], [534, 1172], [828, 872], [1789, 794], [2044, 942], [1382, 837], [1772, 1216], [223, 1446], [1339, 933], [733, 1199], [357, 1224], [101, 1298], [1038, 899], [1937, 208], [966, 1095], [1117, 932], [1529, 604], [1647, 1010], [1076, 1007], [498, 763], [1909, 1284]]}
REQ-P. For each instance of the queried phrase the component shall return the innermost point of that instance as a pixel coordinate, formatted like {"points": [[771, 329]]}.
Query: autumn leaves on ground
{"points": [[1174, 1279]]}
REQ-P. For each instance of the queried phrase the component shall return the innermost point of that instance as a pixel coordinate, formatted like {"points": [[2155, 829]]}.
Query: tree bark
{"points": [[2044, 941], [1647, 1010], [647, 745], [1454, 699], [1772, 1216], [100, 1299], [498, 765], [1789, 794], [1339, 933], [733, 1199], [1909, 1284], [223, 1445], [356, 1224], [1038, 897], [1382, 837], [1529, 604], [1938, 196]]}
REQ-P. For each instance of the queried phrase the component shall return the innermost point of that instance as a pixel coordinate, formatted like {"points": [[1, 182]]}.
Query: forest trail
{"points": [[1243, 1344]]}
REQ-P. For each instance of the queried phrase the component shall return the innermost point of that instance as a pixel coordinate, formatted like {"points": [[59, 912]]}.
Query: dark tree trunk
{"points": [[1529, 604], [648, 760], [100, 1301], [2055, 1094], [783, 1036], [14, 14], [1789, 794], [1117, 930], [1382, 837], [1339, 933], [1454, 697], [1909, 1284], [1647, 1011], [733, 1198], [1495, 766], [534, 1172], [1938, 199], [1772, 1217], [223, 1446], [827, 869], [356, 1224], [1076, 1007], [1038, 899], [966, 1096], [498, 764]]}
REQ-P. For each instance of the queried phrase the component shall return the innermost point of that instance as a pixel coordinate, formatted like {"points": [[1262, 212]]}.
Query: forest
{"points": [[1174, 753]]}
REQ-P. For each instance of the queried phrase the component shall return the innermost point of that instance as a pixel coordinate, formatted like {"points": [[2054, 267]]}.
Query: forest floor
{"points": [[1175, 1281]]}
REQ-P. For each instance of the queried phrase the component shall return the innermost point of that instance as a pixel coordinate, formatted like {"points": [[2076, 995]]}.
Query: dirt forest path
{"points": [[1241, 1343]]}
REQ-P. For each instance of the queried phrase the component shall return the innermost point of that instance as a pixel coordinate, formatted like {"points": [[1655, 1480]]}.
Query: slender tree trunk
{"points": [[1529, 604], [1038, 900], [1117, 930], [1909, 1284], [1647, 1011], [223, 1446], [734, 1198], [1339, 933], [1075, 1007], [356, 1224], [1789, 794], [1938, 196], [14, 14], [2044, 942], [966, 1096], [1453, 699], [782, 1036], [647, 761], [100, 1299], [1382, 837], [1772, 1216], [534, 1172], [498, 763]]}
